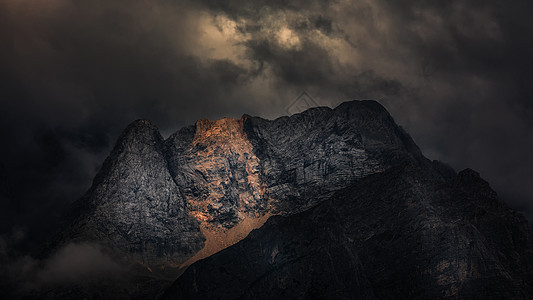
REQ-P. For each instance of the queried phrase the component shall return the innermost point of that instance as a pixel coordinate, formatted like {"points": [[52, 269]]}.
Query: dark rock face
{"points": [[230, 169], [308, 156], [404, 233], [134, 207], [160, 205], [156, 201]]}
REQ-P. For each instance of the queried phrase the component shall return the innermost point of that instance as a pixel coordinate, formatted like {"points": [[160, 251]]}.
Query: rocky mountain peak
{"points": [[225, 129], [346, 183], [354, 108], [140, 132], [221, 179], [134, 207], [469, 175]]}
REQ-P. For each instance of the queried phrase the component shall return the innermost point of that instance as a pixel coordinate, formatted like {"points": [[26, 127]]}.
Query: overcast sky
{"points": [[455, 74]]}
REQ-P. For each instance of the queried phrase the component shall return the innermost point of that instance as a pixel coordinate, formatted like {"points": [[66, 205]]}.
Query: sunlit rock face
{"points": [[169, 203], [215, 166], [404, 233], [358, 212], [236, 171], [230, 169], [219, 174]]}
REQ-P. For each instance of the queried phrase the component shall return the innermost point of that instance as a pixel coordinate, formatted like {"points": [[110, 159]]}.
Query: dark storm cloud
{"points": [[73, 74], [475, 92]]}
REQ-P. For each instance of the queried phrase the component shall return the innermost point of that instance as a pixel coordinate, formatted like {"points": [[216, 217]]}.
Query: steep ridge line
{"points": [[170, 202]]}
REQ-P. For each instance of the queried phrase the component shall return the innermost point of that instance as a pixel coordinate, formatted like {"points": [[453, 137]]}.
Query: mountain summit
{"points": [[354, 209]]}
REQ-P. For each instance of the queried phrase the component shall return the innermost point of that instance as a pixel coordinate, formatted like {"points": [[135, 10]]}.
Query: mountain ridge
{"points": [[391, 235], [159, 205]]}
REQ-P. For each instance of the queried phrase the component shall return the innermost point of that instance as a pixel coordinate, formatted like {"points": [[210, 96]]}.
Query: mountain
{"points": [[134, 206], [403, 233], [158, 206]]}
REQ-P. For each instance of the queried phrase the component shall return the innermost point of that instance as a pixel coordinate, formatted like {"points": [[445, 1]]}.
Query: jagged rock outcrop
{"points": [[134, 207], [306, 157], [234, 173], [165, 204], [403, 233], [218, 172], [231, 168]]}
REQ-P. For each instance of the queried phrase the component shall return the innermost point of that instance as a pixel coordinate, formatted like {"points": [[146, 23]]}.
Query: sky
{"points": [[455, 74]]}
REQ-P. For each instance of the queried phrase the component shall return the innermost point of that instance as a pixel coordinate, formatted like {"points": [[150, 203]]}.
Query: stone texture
{"points": [[234, 172], [403, 233], [218, 173], [231, 169], [162, 205], [306, 157], [134, 207]]}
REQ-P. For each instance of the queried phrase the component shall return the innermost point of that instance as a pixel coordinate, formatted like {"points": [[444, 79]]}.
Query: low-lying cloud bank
{"points": [[76, 264]]}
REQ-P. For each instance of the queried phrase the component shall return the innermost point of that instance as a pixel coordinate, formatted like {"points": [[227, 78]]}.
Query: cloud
{"points": [[77, 264], [72, 75]]}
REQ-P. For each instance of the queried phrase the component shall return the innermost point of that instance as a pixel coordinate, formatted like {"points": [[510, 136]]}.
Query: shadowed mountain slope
{"points": [[404, 233], [158, 206]]}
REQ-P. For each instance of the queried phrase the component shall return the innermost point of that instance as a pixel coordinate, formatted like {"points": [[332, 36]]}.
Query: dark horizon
{"points": [[73, 75]]}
